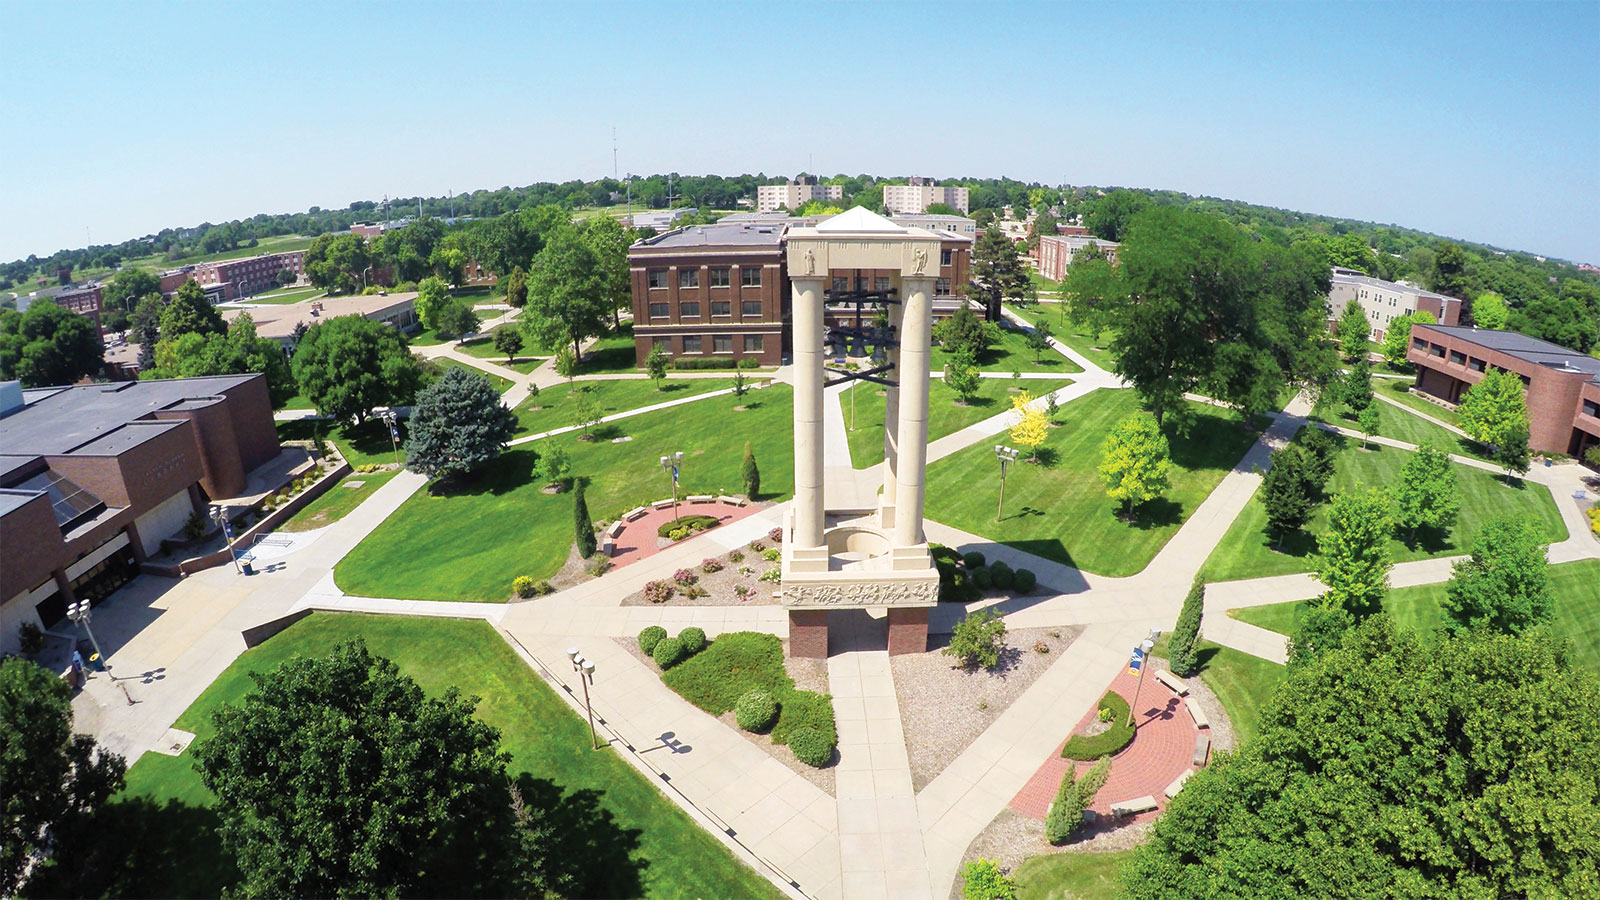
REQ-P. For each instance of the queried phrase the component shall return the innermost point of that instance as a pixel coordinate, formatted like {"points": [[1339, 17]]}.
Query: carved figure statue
{"points": [[919, 260], [811, 262]]}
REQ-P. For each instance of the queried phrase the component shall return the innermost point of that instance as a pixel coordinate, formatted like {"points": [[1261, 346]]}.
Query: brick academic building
{"points": [[94, 477], [1562, 386], [723, 290]]}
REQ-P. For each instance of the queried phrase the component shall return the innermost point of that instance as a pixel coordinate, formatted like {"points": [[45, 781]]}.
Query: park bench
{"points": [[1202, 748], [1172, 681], [701, 498], [638, 512], [1133, 807], [1177, 784], [1197, 714], [663, 504], [731, 501], [615, 530]]}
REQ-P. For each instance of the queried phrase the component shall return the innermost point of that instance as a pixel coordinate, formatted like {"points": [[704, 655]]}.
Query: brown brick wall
{"points": [[250, 408], [908, 630], [216, 447], [808, 633], [30, 547]]}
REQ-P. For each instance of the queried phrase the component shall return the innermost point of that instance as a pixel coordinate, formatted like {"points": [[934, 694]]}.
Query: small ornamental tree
{"points": [[963, 331], [555, 465], [566, 364], [1353, 555], [1038, 340], [1494, 411], [961, 375], [583, 528], [586, 412], [1423, 495], [1367, 421], [656, 365], [749, 473], [1073, 796], [1505, 584], [978, 639], [457, 425], [1513, 453], [1135, 461], [1287, 492], [1032, 427], [517, 288], [1353, 331], [1183, 648], [508, 340], [741, 384]]}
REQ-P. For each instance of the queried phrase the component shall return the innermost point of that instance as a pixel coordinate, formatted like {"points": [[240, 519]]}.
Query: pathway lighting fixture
{"points": [[585, 670], [79, 612], [389, 419], [1007, 456], [670, 464], [219, 515], [1141, 659]]}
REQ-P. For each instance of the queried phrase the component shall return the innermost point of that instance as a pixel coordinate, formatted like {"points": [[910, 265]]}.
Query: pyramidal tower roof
{"points": [[858, 219]]}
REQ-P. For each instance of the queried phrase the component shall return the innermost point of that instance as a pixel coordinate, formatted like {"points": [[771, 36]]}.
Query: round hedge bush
{"points": [[973, 559], [1001, 575], [810, 746], [1023, 581], [668, 652], [982, 579], [650, 637], [693, 639], [756, 710]]}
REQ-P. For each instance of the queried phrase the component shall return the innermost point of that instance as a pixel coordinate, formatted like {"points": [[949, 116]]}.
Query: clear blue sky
{"points": [[1476, 121]]}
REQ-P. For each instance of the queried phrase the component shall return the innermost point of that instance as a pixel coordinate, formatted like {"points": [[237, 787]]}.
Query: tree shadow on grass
{"points": [[512, 470], [582, 851], [1298, 544], [1432, 541], [1157, 513], [1047, 457], [606, 432], [137, 847], [674, 387]]}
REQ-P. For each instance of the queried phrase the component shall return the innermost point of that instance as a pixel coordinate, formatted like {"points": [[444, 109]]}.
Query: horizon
{"points": [[1229, 102]]}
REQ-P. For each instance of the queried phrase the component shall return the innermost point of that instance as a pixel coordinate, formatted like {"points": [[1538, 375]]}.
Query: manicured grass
{"points": [[1403, 426], [1246, 551], [1011, 353], [286, 295], [863, 411], [1067, 332], [427, 337], [1060, 510], [468, 540], [544, 737], [555, 403], [1398, 389], [483, 348], [501, 384], [1577, 614], [1060, 876], [1241, 682], [364, 444], [337, 501], [612, 353], [715, 678], [298, 401], [1042, 283]]}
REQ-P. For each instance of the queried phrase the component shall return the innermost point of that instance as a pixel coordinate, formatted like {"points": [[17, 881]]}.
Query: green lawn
{"points": [[361, 445], [1403, 426], [1078, 875], [1067, 332], [1042, 283], [1246, 551], [555, 403], [1060, 510], [863, 412], [298, 401], [1241, 682], [468, 541], [483, 348], [427, 337], [1577, 618], [1398, 389], [612, 353], [500, 383], [544, 737], [1011, 353], [286, 295], [337, 501]]}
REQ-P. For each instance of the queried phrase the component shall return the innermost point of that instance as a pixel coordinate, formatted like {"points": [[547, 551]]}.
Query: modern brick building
{"points": [[1056, 252], [920, 194], [795, 193], [723, 289], [279, 322], [83, 299], [1562, 386], [94, 477], [1385, 301], [228, 279]]}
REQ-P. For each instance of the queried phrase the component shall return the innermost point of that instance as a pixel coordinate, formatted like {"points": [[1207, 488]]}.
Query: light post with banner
{"points": [[585, 670], [390, 419], [670, 464], [1007, 456], [1137, 664], [219, 515]]}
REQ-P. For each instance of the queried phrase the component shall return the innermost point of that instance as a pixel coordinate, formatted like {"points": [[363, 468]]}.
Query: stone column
{"points": [[916, 338], [807, 309], [891, 424]]}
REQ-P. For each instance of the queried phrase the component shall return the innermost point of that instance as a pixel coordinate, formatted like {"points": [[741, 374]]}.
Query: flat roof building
{"points": [[280, 321], [83, 299], [794, 193], [920, 194], [1057, 251], [1562, 386], [94, 477], [1385, 301]]}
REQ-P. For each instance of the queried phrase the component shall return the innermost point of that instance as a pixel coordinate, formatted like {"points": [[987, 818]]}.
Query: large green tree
{"points": [[1390, 766], [1490, 311], [608, 241], [1288, 491], [1135, 461], [126, 287], [48, 345], [51, 780], [433, 294], [1424, 494], [567, 295], [348, 365], [336, 776], [189, 312], [236, 352], [1353, 554], [408, 250], [1110, 216], [1495, 412], [457, 425], [1571, 319], [1353, 331], [1505, 583], [338, 263], [1397, 337], [997, 271], [964, 332]]}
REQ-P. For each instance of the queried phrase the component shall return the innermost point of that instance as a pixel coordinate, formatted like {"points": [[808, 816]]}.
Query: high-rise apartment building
{"points": [[795, 193], [921, 193]]}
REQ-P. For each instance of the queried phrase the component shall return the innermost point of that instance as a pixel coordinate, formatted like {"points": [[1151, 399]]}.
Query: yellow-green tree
{"points": [[1031, 426], [1135, 461]]}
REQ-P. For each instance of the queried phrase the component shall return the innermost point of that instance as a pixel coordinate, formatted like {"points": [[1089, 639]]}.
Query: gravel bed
{"points": [[1222, 737], [944, 707], [808, 675], [719, 585], [1011, 838]]}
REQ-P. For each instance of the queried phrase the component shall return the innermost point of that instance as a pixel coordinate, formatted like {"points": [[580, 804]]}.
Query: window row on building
{"points": [[717, 276], [714, 344]]}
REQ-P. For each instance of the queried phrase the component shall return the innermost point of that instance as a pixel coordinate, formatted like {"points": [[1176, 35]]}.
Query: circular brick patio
{"points": [[641, 539]]}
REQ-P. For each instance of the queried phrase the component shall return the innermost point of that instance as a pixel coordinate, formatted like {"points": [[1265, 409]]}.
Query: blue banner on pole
{"points": [[1136, 662]]}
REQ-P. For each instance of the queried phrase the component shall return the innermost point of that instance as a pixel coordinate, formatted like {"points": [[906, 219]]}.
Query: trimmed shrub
{"points": [[811, 747], [1023, 581], [522, 586], [543, 587], [668, 652], [982, 578], [736, 557], [658, 591], [714, 362], [749, 362], [693, 639], [982, 879], [1072, 798], [973, 559], [684, 576], [756, 710], [1106, 743], [1002, 575], [690, 523], [650, 637], [710, 565], [677, 534]]}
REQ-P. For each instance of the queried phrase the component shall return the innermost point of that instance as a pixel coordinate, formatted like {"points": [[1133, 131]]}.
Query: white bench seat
{"points": [[1202, 748], [1133, 807], [637, 512], [701, 498], [1172, 681], [1177, 784], [1197, 714], [615, 529], [663, 504]]}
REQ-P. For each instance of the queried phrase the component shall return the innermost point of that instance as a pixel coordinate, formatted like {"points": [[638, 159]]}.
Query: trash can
{"points": [[245, 564]]}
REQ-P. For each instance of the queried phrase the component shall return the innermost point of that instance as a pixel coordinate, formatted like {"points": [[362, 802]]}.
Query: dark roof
{"points": [[1528, 349], [738, 234], [59, 421]]}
